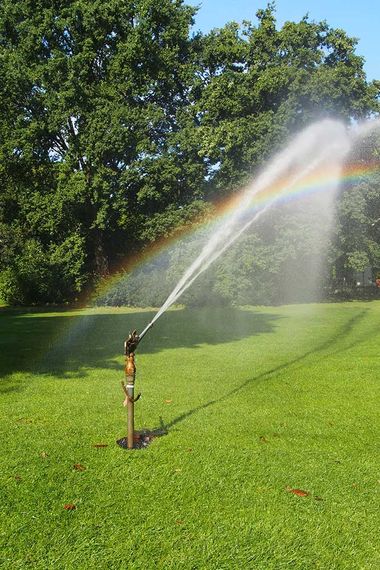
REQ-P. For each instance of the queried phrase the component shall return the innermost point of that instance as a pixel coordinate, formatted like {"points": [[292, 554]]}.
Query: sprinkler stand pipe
{"points": [[130, 375], [128, 386]]}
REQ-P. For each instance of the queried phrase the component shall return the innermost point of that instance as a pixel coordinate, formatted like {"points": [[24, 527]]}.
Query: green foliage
{"points": [[277, 262], [144, 288], [89, 95], [357, 242], [10, 289], [257, 84], [117, 126], [37, 275]]}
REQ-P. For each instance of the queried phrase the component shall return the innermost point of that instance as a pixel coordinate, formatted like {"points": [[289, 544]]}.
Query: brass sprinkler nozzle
{"points": [[131, 343]]}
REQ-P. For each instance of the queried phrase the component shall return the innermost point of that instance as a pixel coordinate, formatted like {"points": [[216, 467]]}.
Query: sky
{"points": [[360, 19]]}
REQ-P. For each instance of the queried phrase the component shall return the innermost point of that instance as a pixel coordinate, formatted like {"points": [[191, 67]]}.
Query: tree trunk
{"points": [[101, 265]]}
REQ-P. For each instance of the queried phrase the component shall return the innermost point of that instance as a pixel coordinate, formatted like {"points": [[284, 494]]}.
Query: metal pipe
{"points": [[130, 346], [130, 375]]}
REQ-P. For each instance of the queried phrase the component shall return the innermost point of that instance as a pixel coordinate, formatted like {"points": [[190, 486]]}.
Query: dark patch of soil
{"points": [[142, 438]]}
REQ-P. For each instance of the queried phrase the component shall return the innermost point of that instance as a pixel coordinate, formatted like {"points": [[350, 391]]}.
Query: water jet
{"points": [[313, 163]]}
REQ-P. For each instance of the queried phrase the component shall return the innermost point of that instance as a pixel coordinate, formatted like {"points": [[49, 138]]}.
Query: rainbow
{"points": [[281, 192]]}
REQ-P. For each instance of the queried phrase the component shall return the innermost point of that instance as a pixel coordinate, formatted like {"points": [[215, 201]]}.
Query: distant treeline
{"points": [[119, 127]]}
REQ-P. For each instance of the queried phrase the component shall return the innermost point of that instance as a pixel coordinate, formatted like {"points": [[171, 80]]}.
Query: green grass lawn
{"points": [[257, 402]]}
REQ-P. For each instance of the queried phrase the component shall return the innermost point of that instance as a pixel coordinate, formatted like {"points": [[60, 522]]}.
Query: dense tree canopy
{"points": [[117, 126], [357, 244]]}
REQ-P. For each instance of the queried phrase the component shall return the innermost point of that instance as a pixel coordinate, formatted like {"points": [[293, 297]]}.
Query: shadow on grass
{"points": [[335, 344], [70, 345]]}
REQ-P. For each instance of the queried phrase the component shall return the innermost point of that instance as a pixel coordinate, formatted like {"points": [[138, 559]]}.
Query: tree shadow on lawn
{"points": [[335, 344], [70, 345]]}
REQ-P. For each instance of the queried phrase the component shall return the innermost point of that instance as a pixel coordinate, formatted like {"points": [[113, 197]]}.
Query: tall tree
{"points": [[256, 84], [89, 93], [117, 126], [357, 235]]}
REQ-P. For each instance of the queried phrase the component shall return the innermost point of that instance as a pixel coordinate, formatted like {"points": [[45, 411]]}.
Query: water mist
{"points": [[321, 147]]}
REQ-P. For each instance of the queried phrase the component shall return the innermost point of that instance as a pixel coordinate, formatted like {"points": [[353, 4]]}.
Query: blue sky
{"points": [[358, 19]]}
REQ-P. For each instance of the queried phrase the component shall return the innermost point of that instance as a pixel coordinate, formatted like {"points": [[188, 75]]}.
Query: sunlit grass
{"points": [[257, 402]]}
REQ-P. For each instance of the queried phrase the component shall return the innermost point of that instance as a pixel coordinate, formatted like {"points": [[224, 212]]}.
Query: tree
{"points": [[255, 85], [117, 127], [357, 240], [89, 94]]}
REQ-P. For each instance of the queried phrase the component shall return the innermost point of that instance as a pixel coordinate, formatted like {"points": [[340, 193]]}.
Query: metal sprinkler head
{"points": [[134, 439], [133, 340], [131, 343]]}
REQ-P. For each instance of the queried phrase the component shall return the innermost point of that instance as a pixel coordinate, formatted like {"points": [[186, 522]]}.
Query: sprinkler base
{"points": [[123, 442], [141, 439]]}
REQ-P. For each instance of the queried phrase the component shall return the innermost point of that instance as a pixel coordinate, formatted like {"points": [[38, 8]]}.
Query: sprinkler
{"points": [[130, 346]]}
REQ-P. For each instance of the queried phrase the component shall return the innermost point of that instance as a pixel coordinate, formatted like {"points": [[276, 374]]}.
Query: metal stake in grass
{"points": [[130, 346]]}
